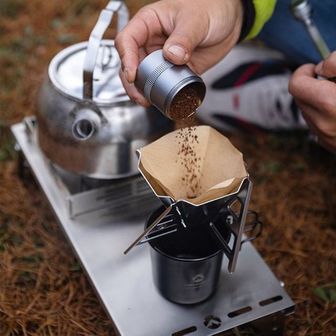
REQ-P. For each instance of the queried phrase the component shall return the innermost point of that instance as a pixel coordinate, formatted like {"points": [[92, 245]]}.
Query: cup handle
{"points": [[104, 20]]}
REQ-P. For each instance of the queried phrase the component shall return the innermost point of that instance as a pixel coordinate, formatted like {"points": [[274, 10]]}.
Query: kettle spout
{"points": [[85, 125]]}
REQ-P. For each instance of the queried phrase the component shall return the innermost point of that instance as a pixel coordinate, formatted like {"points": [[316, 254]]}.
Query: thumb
{"points": [[186, 36], [301, 82]]}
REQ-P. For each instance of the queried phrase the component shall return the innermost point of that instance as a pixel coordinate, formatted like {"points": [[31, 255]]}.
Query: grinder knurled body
{"points": [[160, 81]]}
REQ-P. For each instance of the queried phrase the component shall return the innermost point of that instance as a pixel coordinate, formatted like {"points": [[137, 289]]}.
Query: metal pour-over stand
{"points": [[234, 207]]}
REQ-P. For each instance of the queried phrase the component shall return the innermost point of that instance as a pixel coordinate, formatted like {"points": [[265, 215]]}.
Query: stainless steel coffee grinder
{"points": [[175, 90]]}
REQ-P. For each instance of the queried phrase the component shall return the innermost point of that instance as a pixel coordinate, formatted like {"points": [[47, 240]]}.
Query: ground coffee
{"points": [[182, 110], [187, 140], [184, 103]]}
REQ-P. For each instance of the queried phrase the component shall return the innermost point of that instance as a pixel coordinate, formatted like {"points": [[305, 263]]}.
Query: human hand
{"points": [[317, 99], [198, 33]]}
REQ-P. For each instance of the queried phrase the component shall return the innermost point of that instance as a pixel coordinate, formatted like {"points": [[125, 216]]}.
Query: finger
{"points": [[312, 91], [132, 91], [327, 68], [319, 125], [309, 115], [302, 83], [328, 145], [133, 37], [190, 30]]}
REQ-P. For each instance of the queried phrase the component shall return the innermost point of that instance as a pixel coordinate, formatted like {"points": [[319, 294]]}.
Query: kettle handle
{"points": [[104, 20]]}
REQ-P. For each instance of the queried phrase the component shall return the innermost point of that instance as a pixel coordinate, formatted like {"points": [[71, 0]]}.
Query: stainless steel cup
{"points": [[186, 264], [160, 81]]}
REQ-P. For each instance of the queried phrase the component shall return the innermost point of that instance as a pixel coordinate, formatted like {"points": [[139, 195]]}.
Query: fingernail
{"points": [[178, 52]]}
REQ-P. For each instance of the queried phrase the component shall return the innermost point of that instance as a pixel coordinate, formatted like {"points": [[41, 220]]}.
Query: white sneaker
{"points": [[249, 89]]}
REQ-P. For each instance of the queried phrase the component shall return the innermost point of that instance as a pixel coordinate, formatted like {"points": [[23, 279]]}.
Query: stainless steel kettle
{"points": [[86, 122]]}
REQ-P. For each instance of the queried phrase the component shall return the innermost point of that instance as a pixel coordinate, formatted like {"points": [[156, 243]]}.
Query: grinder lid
{"points": [[66, 73]]}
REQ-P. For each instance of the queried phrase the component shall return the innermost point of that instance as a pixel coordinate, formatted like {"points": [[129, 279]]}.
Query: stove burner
{"points": [[88, 198]]}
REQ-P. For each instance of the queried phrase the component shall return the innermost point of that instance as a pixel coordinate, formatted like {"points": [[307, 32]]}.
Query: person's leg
{"points": [[248, 90], [288, 35]]}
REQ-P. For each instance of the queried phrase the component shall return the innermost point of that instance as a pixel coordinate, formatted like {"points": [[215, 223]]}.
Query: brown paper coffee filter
{"points": [[220, 166]]}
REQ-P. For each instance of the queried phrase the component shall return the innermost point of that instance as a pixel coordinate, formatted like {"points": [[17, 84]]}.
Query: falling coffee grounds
{"points": [[182, 110], [190, 160]]}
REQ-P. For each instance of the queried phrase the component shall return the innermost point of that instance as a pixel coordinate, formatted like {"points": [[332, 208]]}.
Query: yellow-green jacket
{"points": [[263, 11]]}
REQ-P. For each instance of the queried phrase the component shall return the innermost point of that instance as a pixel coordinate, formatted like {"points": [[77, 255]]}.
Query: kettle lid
{"points": [[66, 73]]}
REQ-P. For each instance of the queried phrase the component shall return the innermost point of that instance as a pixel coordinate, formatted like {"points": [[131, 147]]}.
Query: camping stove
{"points": [[100, 218]]}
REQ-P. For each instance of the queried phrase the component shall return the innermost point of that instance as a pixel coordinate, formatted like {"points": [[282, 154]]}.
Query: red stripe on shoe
{"points": [[249, 72]]}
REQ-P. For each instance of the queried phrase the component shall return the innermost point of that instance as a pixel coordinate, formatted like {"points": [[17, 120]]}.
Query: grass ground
{"points": [[43, 290]]}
